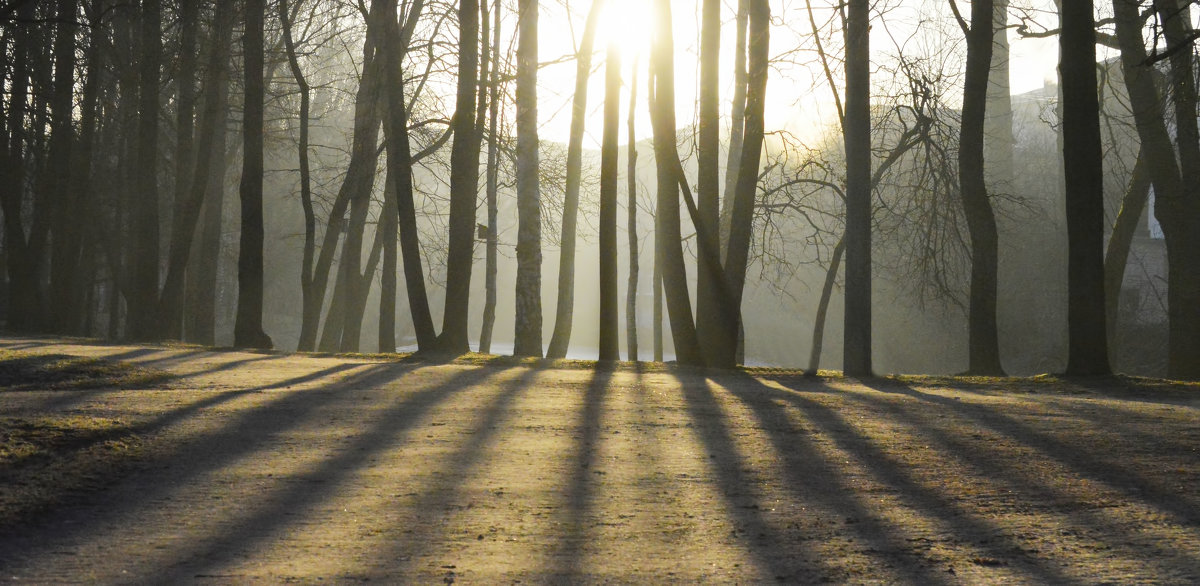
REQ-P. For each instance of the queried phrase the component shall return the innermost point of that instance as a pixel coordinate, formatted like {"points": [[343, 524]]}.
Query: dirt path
{"points": [[278, 468]]}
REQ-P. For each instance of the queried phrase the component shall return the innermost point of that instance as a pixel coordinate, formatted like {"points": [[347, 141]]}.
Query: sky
{"points": [[792, 101]]}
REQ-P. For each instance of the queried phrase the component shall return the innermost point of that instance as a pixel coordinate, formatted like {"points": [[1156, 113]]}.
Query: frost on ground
{"points": [[274, 468]]}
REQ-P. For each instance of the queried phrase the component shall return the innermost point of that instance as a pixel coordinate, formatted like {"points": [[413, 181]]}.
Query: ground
{"points": [[227, 467]]}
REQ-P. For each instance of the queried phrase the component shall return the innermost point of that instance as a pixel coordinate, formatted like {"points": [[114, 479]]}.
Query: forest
{"points": [[945, 186]]}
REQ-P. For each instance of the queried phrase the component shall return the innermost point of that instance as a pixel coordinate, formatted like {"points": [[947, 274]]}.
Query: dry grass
{"points": [[20, 371]]}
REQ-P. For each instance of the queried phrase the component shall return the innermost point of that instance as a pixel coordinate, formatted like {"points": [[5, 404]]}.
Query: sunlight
{"points": [[628, 23]]}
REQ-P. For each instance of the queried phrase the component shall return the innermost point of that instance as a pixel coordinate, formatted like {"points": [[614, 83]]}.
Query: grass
{"points": [[47, 460], [20, 371]]}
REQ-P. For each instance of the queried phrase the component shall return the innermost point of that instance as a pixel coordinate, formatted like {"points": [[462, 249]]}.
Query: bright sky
{"points": [[792, 101]]}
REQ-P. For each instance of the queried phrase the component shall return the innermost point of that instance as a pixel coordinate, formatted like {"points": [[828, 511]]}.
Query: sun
{"points": [[628, 24]]}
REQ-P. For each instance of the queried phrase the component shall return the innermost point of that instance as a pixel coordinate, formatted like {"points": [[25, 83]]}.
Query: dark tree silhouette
{"points": [[248, 331], [1083, 166], [528, 337], [609, 329], [857, 129]]}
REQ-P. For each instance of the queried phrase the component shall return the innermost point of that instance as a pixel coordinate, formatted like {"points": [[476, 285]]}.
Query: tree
{"points": [[709, 280], [142, 290], [464, 184], [493, 172], [609, 337], [983, 334], [733, 281], [564, 314], [65, 249], [528, 340], [190, 191], [667, 234], [1083, 165], [857, 131], [399, 160], [248, 331], [631, 209]]}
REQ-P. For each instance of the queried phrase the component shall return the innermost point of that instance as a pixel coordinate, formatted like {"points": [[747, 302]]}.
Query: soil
{"points": [[274, 468]]}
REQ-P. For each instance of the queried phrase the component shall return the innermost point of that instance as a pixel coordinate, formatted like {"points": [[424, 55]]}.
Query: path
{"points": [[273, 468]]}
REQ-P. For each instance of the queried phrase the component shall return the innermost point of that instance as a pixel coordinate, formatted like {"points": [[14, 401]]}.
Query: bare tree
{"points": [[609, 330], [1083, 165], [464, 185], [528, 338], [564, 315], [857, 131], [248, 331]]}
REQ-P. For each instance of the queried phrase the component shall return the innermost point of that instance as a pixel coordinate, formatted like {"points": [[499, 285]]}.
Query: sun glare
{"points": [[627, 23]]}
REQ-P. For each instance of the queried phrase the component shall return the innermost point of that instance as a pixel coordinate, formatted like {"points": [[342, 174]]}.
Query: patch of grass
{"points": [[45, 461], [20, 371]]}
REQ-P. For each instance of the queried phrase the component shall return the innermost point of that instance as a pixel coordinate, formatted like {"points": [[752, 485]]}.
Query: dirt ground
{"points": [[274, 468]]}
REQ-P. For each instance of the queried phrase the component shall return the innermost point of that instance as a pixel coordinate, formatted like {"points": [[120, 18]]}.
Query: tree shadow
{"points": [[939, 420], [244, 434]]}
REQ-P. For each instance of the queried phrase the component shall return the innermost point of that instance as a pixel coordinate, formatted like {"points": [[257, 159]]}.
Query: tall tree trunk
{"points": [[307, 294], [709, 281], [668, 233], [818, 335], [528, 337], [399, 160], [1179, 212], [1083, 163], [190, 199], [983, 335], [856, 350], [64, 266], [656, 287], [631, 208], [1116, 256], [493, 174], [998, 129], [738, 122], [565, 314], [610, 347], [248, 330], [360, 176], [742, 223], [24, 296], [464, 185], [142, 291], [200, 319]]}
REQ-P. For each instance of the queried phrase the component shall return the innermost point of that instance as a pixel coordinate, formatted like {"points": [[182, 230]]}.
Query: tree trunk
{"points": [[656, 280], [998, 129], [528, 338], [1083, 164], [142, 292], [64, 286], [738, 122], [399, 161], [24, 296], [190, 200], [464, 185], [310, 220], [983, 335], [360, 175], [564, 316], [202, 277], [631, 208], [709, 280], [1116, 257], [248, 330], [742, 223], [493, 172], [668, 233], [818, 336], [857, 130], [610, 347], [1179, 213]]}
